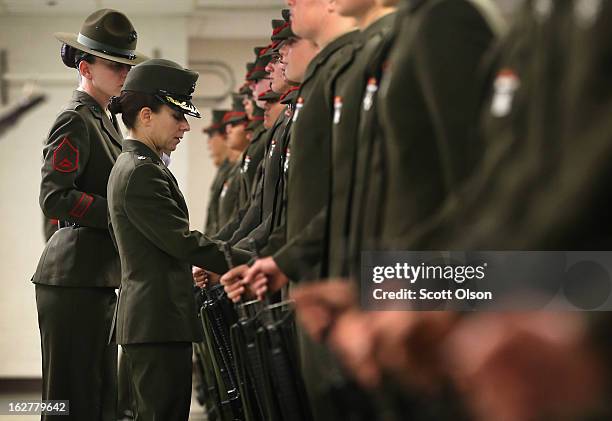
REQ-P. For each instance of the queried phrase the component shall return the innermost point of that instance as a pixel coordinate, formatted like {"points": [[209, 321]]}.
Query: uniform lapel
{"points": [[105, 124], [108, 127]]}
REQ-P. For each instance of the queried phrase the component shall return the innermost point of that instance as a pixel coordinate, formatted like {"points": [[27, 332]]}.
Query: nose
{"points": [[185, 126], [269, 67]]}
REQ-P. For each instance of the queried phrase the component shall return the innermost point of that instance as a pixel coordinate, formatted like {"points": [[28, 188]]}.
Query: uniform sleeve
{"points": [[304, 251], [258, 236], [249, 219], [226, 232], [151, 208], [65, 155]]}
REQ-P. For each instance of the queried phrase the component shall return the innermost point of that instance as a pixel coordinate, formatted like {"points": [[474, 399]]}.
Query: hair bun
{"points": [[68, 55], [114, 105]]}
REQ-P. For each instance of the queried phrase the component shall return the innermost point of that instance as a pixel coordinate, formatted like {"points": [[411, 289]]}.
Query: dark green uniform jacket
{"points": [[249, 167], [278, 219], [512, 83], [428, 109], [345, 132], [367, 193], [549, 188], [212, 219], [229, 197], [262, 202], [79, 153], [250, 173], [150, 224], [310, 148]]}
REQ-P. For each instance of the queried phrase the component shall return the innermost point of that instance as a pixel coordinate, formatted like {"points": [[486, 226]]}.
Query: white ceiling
{"points": [[132, 7]]}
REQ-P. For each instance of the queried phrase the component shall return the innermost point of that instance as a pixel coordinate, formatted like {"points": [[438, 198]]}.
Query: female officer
{"points": [[156, 320], [79, 268]]}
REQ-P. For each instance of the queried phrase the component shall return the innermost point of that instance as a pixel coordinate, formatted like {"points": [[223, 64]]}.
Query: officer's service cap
{"points": [[168, 81]]}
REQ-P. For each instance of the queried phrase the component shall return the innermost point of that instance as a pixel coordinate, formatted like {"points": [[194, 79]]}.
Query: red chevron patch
{"points": [[66, 157]]}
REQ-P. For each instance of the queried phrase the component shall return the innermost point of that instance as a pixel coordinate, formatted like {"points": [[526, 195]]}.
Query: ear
{"points": [[145, 115], [85, 70]]}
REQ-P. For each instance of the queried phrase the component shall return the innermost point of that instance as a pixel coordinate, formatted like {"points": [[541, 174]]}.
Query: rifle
{"points": [[217, 315], [276, 340]]}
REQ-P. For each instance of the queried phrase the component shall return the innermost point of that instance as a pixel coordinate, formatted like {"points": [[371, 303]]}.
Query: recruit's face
{"points": [[278, 83], [261, 86], [306, 16], [237, 137], [248, 106], [217, 149], [271, 113], [299, 55], [352, 8], [106, 76], [167, 128]]}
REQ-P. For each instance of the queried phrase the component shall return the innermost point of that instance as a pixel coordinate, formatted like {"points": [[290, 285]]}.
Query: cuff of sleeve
{"points": [[289, 261]]}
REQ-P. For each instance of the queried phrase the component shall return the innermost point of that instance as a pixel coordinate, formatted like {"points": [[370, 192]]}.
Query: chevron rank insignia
{"points": [[66, 157]]}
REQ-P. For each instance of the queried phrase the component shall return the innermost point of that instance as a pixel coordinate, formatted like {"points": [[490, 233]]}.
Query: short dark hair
{"points": [[130, 103]]}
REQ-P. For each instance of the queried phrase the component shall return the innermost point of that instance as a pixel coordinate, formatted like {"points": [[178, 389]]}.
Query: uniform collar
{"points": [[259, 130], [86, 99], [131, 145], [224, 165], [328, 50], [380, 24], [111, 127], [415, 4]]}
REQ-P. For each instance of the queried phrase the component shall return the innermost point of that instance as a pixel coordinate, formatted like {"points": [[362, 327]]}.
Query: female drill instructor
{"points": [[156, 320], [79, 268]]}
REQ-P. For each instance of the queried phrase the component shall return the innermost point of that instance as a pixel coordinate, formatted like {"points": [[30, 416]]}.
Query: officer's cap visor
{"points": [[183, 105]]}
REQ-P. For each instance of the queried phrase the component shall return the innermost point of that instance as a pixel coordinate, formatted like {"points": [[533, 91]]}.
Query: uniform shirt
{"points": [[78, 155], [150, 226]]}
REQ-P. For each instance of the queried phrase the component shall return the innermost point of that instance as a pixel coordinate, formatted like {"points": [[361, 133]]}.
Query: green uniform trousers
{"points": [[78, 363], [160, 376]]}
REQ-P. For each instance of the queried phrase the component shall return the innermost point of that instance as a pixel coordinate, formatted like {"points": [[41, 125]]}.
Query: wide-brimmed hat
{"points": [[167, 81], [108, 34]]}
